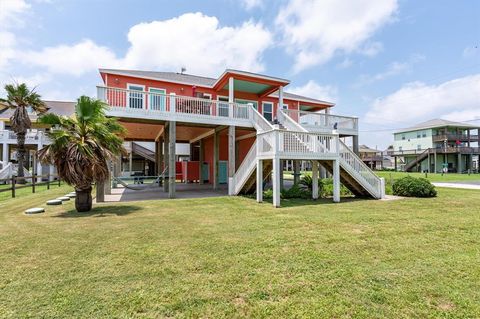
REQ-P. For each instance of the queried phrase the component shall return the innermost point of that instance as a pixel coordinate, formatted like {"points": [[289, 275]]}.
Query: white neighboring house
{"points": [[34, 140]]}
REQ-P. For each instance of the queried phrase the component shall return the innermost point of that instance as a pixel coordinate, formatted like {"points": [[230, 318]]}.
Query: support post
{"points": [[282, 184], [231, 97], [336, 181], [231, 158], [216, 146], [100, 198], [166, 153], [459, 162], [296, 172], [280, 98], [171, 159], [160, 160], [315, 179], [435, 161], [201, 159], [276, 182], [355, 144], [5, 152], [259, 180]]}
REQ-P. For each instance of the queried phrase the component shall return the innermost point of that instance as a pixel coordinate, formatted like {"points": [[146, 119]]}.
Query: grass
{"points": [[24, 190], [449, 177], [231, 257]]}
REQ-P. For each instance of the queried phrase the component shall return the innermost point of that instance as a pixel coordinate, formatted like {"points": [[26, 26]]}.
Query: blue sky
{"points": [[392, 63]]}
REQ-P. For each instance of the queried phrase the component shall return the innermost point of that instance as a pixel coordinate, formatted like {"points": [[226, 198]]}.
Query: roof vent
{"points": [[183, 69]]}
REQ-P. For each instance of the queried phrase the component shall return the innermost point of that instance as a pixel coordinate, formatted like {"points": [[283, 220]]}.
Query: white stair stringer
{"points": [[245, 170], [357, 169]]}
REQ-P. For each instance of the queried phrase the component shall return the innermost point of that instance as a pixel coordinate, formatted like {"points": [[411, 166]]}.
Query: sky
{"points": [[392, 63]]}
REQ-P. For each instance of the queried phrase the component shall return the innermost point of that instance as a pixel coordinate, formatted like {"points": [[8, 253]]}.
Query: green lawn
{"points": [[231, 257], [450, 177], [22, 191]]}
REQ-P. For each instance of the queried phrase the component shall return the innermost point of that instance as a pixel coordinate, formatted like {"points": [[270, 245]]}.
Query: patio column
{"points": [[231, 96], [282, 166], [130, 162], [355, 144], [216, 146], [280, 97], [160, 159], [435, 161], [171, 159], [459, 162], [231, 158], [315, 179], [276, 182], [336, 181], [38, 169], [259, 180], [201, 156], [166, 143], [5, 152]]}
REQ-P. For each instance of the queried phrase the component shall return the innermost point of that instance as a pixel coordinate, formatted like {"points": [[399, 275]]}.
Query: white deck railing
{"points": [[259, 122], [296, 144], [324, 122], [32, 137], [141, 102]]}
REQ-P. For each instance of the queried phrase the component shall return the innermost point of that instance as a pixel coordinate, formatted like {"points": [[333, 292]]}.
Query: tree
{"points": [[20, 98], [81, 147]]}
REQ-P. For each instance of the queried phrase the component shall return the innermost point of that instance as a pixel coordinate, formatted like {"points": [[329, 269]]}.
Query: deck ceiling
{"points": [[249, 87], [185, 133]]}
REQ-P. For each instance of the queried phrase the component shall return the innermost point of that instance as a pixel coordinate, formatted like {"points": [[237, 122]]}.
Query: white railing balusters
{"points": [[323, 121]]}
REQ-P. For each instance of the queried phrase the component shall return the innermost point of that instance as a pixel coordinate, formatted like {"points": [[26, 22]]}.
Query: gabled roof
{"points": [[208, 82], [181, 78], [437, 123], [365, 149]]}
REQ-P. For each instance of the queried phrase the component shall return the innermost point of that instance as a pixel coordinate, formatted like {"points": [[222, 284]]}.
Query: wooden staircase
{"points": [[249, 187], [347, 180], [420, 157]]}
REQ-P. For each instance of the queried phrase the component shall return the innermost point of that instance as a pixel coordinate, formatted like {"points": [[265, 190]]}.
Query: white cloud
{"points": [[456, 99], [394, 68], [192, 40], [11, 10], [250, 4], [313, 31], [470, 52], [314, 90], [76, 59], [199, 43]]}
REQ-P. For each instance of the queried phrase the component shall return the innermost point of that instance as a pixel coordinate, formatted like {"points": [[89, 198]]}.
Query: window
{"points": [[418, 134], [403, 136], [400, 148], [157, 99], [267, 109], [222, 106], [135, 99], [419, 147], [424, 134], [254, 103]]}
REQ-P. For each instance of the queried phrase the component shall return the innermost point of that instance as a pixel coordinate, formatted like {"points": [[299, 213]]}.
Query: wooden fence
{"points": [[16, 182]]}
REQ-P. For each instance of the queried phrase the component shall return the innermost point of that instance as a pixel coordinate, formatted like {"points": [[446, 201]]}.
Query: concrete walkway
{"points": [[458, 185], [122, 194]]}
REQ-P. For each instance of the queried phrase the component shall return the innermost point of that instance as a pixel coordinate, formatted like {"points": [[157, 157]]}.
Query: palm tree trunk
{"points": [[83, 200], [21, 156]]}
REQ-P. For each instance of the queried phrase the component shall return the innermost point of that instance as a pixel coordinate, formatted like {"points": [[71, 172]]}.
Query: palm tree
{"points": [[81, 147], [20, 98]]}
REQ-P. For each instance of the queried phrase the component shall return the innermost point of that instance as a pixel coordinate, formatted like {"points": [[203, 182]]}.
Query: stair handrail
{"points": [[415, 162], [361, 169], [244, 170], [259, 122], [288, 122]]}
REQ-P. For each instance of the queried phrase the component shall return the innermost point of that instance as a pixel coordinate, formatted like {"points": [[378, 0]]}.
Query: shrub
{"points": [[307, 182], [296, 192], [327, 188], [413, 187]]}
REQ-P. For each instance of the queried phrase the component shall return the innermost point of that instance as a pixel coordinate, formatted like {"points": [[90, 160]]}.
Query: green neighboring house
{"points": [[437, 145]]}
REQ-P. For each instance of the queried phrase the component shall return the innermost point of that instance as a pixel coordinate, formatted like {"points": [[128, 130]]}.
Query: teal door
{"points": [[222, 172], [205, 173]]}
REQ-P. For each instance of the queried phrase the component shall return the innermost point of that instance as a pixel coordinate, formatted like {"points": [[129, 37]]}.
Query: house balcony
{"points": [[32, 137], [464, 138], [325, 123], [170, 107]]}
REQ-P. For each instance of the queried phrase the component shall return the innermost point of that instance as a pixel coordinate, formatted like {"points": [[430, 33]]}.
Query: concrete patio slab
{"points": [[122, 194]]}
